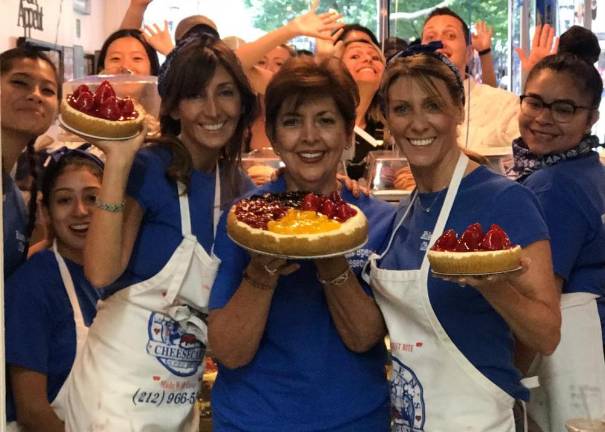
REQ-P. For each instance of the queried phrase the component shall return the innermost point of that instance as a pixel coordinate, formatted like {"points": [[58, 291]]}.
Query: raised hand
{"points": [[328, 47], [482, 36], [121, 149], [159, 39], [543, 44], [316, 25]]}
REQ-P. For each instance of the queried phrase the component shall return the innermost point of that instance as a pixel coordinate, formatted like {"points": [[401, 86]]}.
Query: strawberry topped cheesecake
{"points": [[474, 252], [298, 224], [101, 113]]}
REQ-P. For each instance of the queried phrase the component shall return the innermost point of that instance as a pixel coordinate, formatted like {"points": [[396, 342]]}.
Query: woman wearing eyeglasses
{"points": [[556, 158]]}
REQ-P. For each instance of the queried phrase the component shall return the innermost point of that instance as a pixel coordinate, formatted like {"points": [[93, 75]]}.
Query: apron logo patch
{"points": [[177, 351], [407, 399]]}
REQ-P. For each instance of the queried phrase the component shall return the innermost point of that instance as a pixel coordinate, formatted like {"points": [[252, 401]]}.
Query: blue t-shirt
{"points": [[15, 225], [40, 329], [478, 331], [160, 231], [303, 377], [572, 193]]}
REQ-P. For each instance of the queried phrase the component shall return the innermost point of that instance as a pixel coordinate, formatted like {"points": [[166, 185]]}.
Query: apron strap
{"points": [[448, 203], [69, 288], [441, 220], [185, 211]]}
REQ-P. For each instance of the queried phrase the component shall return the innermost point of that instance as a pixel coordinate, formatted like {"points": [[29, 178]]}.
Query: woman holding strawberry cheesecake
{"points": [[452, 339], [150, 244]]}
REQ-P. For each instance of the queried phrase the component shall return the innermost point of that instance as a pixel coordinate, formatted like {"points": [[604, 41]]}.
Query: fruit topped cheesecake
{"points": [[474, 252], [102, 113], [298, 224]]}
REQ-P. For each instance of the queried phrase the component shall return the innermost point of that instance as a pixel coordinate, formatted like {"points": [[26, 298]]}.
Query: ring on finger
{"points": [[270, 270]]}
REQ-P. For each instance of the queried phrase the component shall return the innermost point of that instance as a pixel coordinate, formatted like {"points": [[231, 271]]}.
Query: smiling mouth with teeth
{"points": [[421, 141], [213, 127]]}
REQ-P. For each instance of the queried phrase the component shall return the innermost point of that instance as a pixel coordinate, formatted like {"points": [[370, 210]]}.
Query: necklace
{"points": [[428, 208]]}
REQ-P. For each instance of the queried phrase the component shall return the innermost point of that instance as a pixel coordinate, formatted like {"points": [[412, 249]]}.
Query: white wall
{"points": [[59, 23]]}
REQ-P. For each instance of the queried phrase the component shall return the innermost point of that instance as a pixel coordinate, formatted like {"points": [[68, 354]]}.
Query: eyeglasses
{"points": [[561, 111]]}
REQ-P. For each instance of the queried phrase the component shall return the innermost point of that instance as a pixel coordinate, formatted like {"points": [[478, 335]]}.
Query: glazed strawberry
{"points": [[470, 239], [311, 202], [109, 109], [127, 108], [81, 89], [104, 91], [85, 102], [447, 242], [342, 213], [495, 239], [328, 208]]}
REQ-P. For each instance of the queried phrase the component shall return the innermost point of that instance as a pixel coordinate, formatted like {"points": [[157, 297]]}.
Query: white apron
{"points": [[81, 329], [434, 388], [141, 366], [572, 379]]}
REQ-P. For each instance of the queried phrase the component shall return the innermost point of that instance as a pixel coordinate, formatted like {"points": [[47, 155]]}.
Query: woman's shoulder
{"points": [[35, 274], [569, 175], [371, 207], [155, 156], [484, 181]]}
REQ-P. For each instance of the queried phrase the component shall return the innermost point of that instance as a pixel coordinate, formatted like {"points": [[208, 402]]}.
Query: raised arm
{"points": [[355, 314], [115, 223], [482, 43], [528, 302], [309, 24], [133, 18]]}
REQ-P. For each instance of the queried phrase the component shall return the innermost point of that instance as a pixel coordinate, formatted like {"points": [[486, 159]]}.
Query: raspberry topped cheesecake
{"points": [[297, 224], [102, 113], [474, 252]]}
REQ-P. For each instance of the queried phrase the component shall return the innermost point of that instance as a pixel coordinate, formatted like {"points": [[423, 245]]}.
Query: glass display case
{"points": [[388, 176], [260, 164]]}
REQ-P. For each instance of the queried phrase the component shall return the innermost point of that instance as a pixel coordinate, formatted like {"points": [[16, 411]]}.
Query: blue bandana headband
{"points": [[82, 151], [192, 37], [431, 50]]}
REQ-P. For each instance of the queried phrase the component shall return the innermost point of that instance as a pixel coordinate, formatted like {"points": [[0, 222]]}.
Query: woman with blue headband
{"points": [[151, 239], [49, 303], [452, 339]]}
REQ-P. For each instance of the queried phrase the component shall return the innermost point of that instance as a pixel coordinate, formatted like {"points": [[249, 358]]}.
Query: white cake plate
{"points": [[93, 137], [438, 274]]}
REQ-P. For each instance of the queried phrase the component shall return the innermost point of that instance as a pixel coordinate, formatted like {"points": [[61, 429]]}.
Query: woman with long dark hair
{"points": [[152, 238], [30, 100]]}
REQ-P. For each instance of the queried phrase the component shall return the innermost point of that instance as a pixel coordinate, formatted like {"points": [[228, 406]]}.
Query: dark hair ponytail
{"points": [[32, 161]]}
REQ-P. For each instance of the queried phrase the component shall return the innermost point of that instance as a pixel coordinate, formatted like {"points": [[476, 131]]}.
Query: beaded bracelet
{"points": [[257, 284], [338, 280], [110, 207]]}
